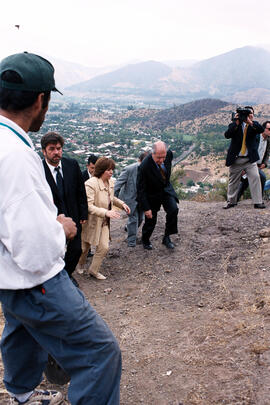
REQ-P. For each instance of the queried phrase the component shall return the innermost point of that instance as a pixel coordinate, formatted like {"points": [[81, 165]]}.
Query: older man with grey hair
{"points": [[153, 190]]}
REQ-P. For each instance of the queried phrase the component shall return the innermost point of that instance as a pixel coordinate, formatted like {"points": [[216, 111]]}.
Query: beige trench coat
{"points": [[97, 197]]}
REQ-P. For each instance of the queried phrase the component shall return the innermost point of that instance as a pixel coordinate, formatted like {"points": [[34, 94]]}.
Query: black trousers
{"points": [[170, 207], [244, 184], [73, 253]]}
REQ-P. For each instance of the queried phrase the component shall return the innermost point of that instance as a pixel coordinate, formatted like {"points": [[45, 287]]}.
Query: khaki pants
{"points": [[85, 249], [235, 172], [101, 250]]}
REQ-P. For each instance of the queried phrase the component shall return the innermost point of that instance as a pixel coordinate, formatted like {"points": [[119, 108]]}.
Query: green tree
{"points": [[190, 183]]}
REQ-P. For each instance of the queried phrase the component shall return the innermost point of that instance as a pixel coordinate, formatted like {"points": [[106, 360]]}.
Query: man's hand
{"points": [[249, 119], [236, 119], [126, 208], [69, 226], [261, 166], [148, 214]]}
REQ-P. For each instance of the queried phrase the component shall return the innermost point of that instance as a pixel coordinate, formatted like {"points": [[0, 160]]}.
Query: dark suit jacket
{"points": [[85, 175], [235, 132], [150, 185], [75, 195]]}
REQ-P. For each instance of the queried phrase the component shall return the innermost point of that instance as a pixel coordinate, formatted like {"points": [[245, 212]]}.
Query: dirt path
{"points": [[193, 324]]}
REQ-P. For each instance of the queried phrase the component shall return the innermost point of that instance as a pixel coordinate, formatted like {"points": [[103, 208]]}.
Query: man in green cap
{"points": [[44, 311]]}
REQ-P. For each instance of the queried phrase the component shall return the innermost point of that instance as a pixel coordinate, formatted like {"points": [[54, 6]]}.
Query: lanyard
{"points": [[17, 133]]}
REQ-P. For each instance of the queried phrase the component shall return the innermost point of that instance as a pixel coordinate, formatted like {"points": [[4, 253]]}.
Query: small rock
{"points": [[264, 233]]}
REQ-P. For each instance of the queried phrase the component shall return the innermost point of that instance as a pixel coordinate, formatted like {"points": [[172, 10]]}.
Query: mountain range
{"points": [[239, 76]]}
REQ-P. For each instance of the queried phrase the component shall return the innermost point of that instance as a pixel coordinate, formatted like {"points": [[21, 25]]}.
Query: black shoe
{"points": [[90, 254], [260, 206], [229, 205], [74, 281], [54, 373], [167, 242], [147, 245]]}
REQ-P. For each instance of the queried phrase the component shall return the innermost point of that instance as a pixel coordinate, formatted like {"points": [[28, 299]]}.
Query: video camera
{"points": [[242, 112]]}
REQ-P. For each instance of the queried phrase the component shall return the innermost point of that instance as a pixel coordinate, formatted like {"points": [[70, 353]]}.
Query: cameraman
{"points": [[263, 151], [243, 155]]}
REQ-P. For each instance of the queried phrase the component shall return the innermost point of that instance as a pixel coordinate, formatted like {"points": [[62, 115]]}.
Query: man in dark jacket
{"points": [[90, 167], [263, 151], [153, 190], [65, 180], [243, 155]]}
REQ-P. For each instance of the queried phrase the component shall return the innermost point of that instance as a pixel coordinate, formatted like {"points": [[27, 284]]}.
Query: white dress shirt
{"points": [[53, 171]]}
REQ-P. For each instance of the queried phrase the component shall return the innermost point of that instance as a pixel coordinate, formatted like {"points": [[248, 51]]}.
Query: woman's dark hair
{"points": [[18, 100], [103, 164]]}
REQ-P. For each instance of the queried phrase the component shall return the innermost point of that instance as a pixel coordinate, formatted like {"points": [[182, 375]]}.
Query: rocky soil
{"points": [[194, 323]]}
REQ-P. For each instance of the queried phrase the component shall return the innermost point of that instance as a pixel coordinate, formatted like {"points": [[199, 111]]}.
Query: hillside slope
{"points": [[193, 324]]}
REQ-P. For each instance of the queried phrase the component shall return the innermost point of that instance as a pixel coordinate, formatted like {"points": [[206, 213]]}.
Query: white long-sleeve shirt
{"points": [[32, 241]]}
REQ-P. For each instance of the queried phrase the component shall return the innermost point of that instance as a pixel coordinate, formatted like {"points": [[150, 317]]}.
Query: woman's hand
{"points": [[113, 214], [126, 208]]}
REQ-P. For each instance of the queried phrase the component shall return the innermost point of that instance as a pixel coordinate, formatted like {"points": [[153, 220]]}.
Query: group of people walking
{"points": [[143, 189], [44, 205]]}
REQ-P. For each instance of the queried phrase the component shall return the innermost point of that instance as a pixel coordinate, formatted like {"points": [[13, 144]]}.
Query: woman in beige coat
{"points": [[96, 232]]}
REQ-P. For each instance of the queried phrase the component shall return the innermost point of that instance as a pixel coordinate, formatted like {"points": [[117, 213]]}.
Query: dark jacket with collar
{"points": [[85, 175], [150, 185], [75, 195], [235, 133]]}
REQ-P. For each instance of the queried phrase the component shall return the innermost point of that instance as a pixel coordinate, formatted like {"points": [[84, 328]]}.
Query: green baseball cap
{"points": [[37, 73]]}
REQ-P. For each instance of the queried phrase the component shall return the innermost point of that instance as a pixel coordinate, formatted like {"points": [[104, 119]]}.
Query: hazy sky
{"points": [[106, 32]]}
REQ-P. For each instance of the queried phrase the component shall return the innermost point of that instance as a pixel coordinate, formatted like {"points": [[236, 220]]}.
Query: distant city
{"points": [[83, 137]]}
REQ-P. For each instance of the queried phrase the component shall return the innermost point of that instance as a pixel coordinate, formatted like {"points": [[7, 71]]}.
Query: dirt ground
{"points": [[194, 323]]}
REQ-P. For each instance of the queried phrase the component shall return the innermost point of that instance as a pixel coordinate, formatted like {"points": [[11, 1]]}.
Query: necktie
{"points": [[162, 172], [244, 146], [60, 182]]}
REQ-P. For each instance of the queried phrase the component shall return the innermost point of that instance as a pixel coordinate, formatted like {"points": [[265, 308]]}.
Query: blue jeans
{"points": [[56, 318], [267, 185]]}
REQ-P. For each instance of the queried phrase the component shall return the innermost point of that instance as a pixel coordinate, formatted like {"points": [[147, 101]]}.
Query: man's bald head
{"points": [[159, 152]]}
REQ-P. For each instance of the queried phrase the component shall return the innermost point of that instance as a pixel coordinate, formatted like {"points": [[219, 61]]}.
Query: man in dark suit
{"points": [[153, 190], [263, 151], [90, 167], [65, 180], [242, 156]]}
